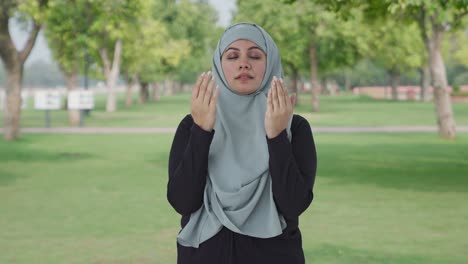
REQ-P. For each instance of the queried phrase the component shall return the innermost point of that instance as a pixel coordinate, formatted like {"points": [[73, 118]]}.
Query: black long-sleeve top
{"points": [[292, 166]]}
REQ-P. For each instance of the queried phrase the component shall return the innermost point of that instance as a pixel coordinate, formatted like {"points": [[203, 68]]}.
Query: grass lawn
{"points": [[380, 198], [347, 110]]}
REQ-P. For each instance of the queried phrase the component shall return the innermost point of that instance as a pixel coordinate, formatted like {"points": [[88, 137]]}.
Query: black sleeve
{"points": [[292, 167], [188, 166]]}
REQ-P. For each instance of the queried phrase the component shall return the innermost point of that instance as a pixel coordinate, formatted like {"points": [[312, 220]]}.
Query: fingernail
{"points": [[203, 73], [209, 72]]}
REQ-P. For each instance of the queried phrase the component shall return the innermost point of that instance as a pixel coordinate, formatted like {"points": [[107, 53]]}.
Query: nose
{"points": [[244, 63]]}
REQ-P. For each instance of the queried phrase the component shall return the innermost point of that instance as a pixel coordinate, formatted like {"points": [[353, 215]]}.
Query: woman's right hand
{"points": [[203, 102]]}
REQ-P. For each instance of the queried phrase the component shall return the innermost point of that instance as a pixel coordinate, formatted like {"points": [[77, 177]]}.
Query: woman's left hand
{"points": [[279, 108]]}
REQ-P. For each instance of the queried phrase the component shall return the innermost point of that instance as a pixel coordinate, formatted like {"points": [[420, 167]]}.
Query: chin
{"points": [[245, 90]]}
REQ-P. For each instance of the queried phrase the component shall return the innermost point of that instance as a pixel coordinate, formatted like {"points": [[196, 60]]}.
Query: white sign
{"points": [[2, 100], [24, 100], [83, 99], [47, 100]]}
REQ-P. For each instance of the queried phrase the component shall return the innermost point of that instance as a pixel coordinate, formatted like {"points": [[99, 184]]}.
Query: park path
{"points": [[170, 130]]}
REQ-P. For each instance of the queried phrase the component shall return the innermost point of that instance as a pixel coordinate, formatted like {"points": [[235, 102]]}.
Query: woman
{"points": [[242, 166]]}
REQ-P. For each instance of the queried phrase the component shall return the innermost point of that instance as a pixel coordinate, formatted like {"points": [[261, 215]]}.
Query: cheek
{"points": [[261, 67], [227, 70]]}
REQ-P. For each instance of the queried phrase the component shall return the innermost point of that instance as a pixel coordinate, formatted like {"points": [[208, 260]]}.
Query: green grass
{"points": [[351, 110], [347, 110], [379, 198], [165, 113]]}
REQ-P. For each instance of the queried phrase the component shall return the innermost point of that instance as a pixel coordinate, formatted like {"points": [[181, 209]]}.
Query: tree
{"points": [[442, 16], [434, 18], [162, 50], [66, 29], [194, 22], [456, 57], [310, 18], [305, 28], [109, 24], [31, 12], [395, 47]]}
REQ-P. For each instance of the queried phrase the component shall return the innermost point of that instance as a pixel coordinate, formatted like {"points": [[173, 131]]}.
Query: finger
{"points": [[203, 85], [275, 94], [209, 91], [269, 100], [196, 88], [286, 99], [281, 95], [214, 99], [293, 99]]}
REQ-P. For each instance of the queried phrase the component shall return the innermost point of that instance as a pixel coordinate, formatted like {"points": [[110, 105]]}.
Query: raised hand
{"points": [[203, 102], [279, 108]]}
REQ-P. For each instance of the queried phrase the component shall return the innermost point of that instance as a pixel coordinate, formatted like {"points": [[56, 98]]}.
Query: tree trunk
{"points": [[177, 86], [131, 82], [347, 80], [112, 73], [425, 70], [156, 92], [395, 81], [129, 95], [442, 100], [168, 87], [331, 86], [324, 87], [144, 92], [300, 85], [73, 114], [293, 84], [12, 115], [13, 61], [425, 83], [315, 86]]}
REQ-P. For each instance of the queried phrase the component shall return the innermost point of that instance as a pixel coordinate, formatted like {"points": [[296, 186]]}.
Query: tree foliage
{"points": [[13, 58], [434, 19], [395, 47], [150, 49], [196, 23], [66, 33], [294, 26]]}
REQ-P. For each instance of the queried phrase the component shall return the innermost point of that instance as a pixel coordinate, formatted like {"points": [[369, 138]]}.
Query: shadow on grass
{"points": [[421, 167], [337, 254], [13, 154], [20, 151], [7, 177], [343, 104], [165, 101]]}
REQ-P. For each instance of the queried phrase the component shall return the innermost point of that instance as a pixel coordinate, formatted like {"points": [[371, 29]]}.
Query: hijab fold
{"points": [[238, 193]]}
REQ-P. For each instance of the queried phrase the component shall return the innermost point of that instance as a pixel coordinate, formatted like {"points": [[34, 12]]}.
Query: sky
{"points": [[41, 50]]}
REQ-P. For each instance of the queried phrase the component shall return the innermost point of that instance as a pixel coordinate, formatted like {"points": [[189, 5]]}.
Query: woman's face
{"points": [[244, 65]]}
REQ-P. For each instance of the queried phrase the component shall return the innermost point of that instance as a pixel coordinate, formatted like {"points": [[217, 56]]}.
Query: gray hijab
{"points": [[238, 192]]}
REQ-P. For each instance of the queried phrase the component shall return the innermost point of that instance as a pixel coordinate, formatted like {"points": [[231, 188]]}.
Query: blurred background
{"points": [[91, 93]]}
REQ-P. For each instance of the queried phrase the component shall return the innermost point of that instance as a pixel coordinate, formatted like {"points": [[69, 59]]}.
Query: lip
{"points": [[244, 76]]}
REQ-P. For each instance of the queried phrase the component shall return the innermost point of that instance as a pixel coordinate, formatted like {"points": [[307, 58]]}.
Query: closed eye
{"points": [[254, 54]]}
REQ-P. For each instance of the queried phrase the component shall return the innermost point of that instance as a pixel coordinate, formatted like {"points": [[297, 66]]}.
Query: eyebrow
{"points": [[236, 49]]}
